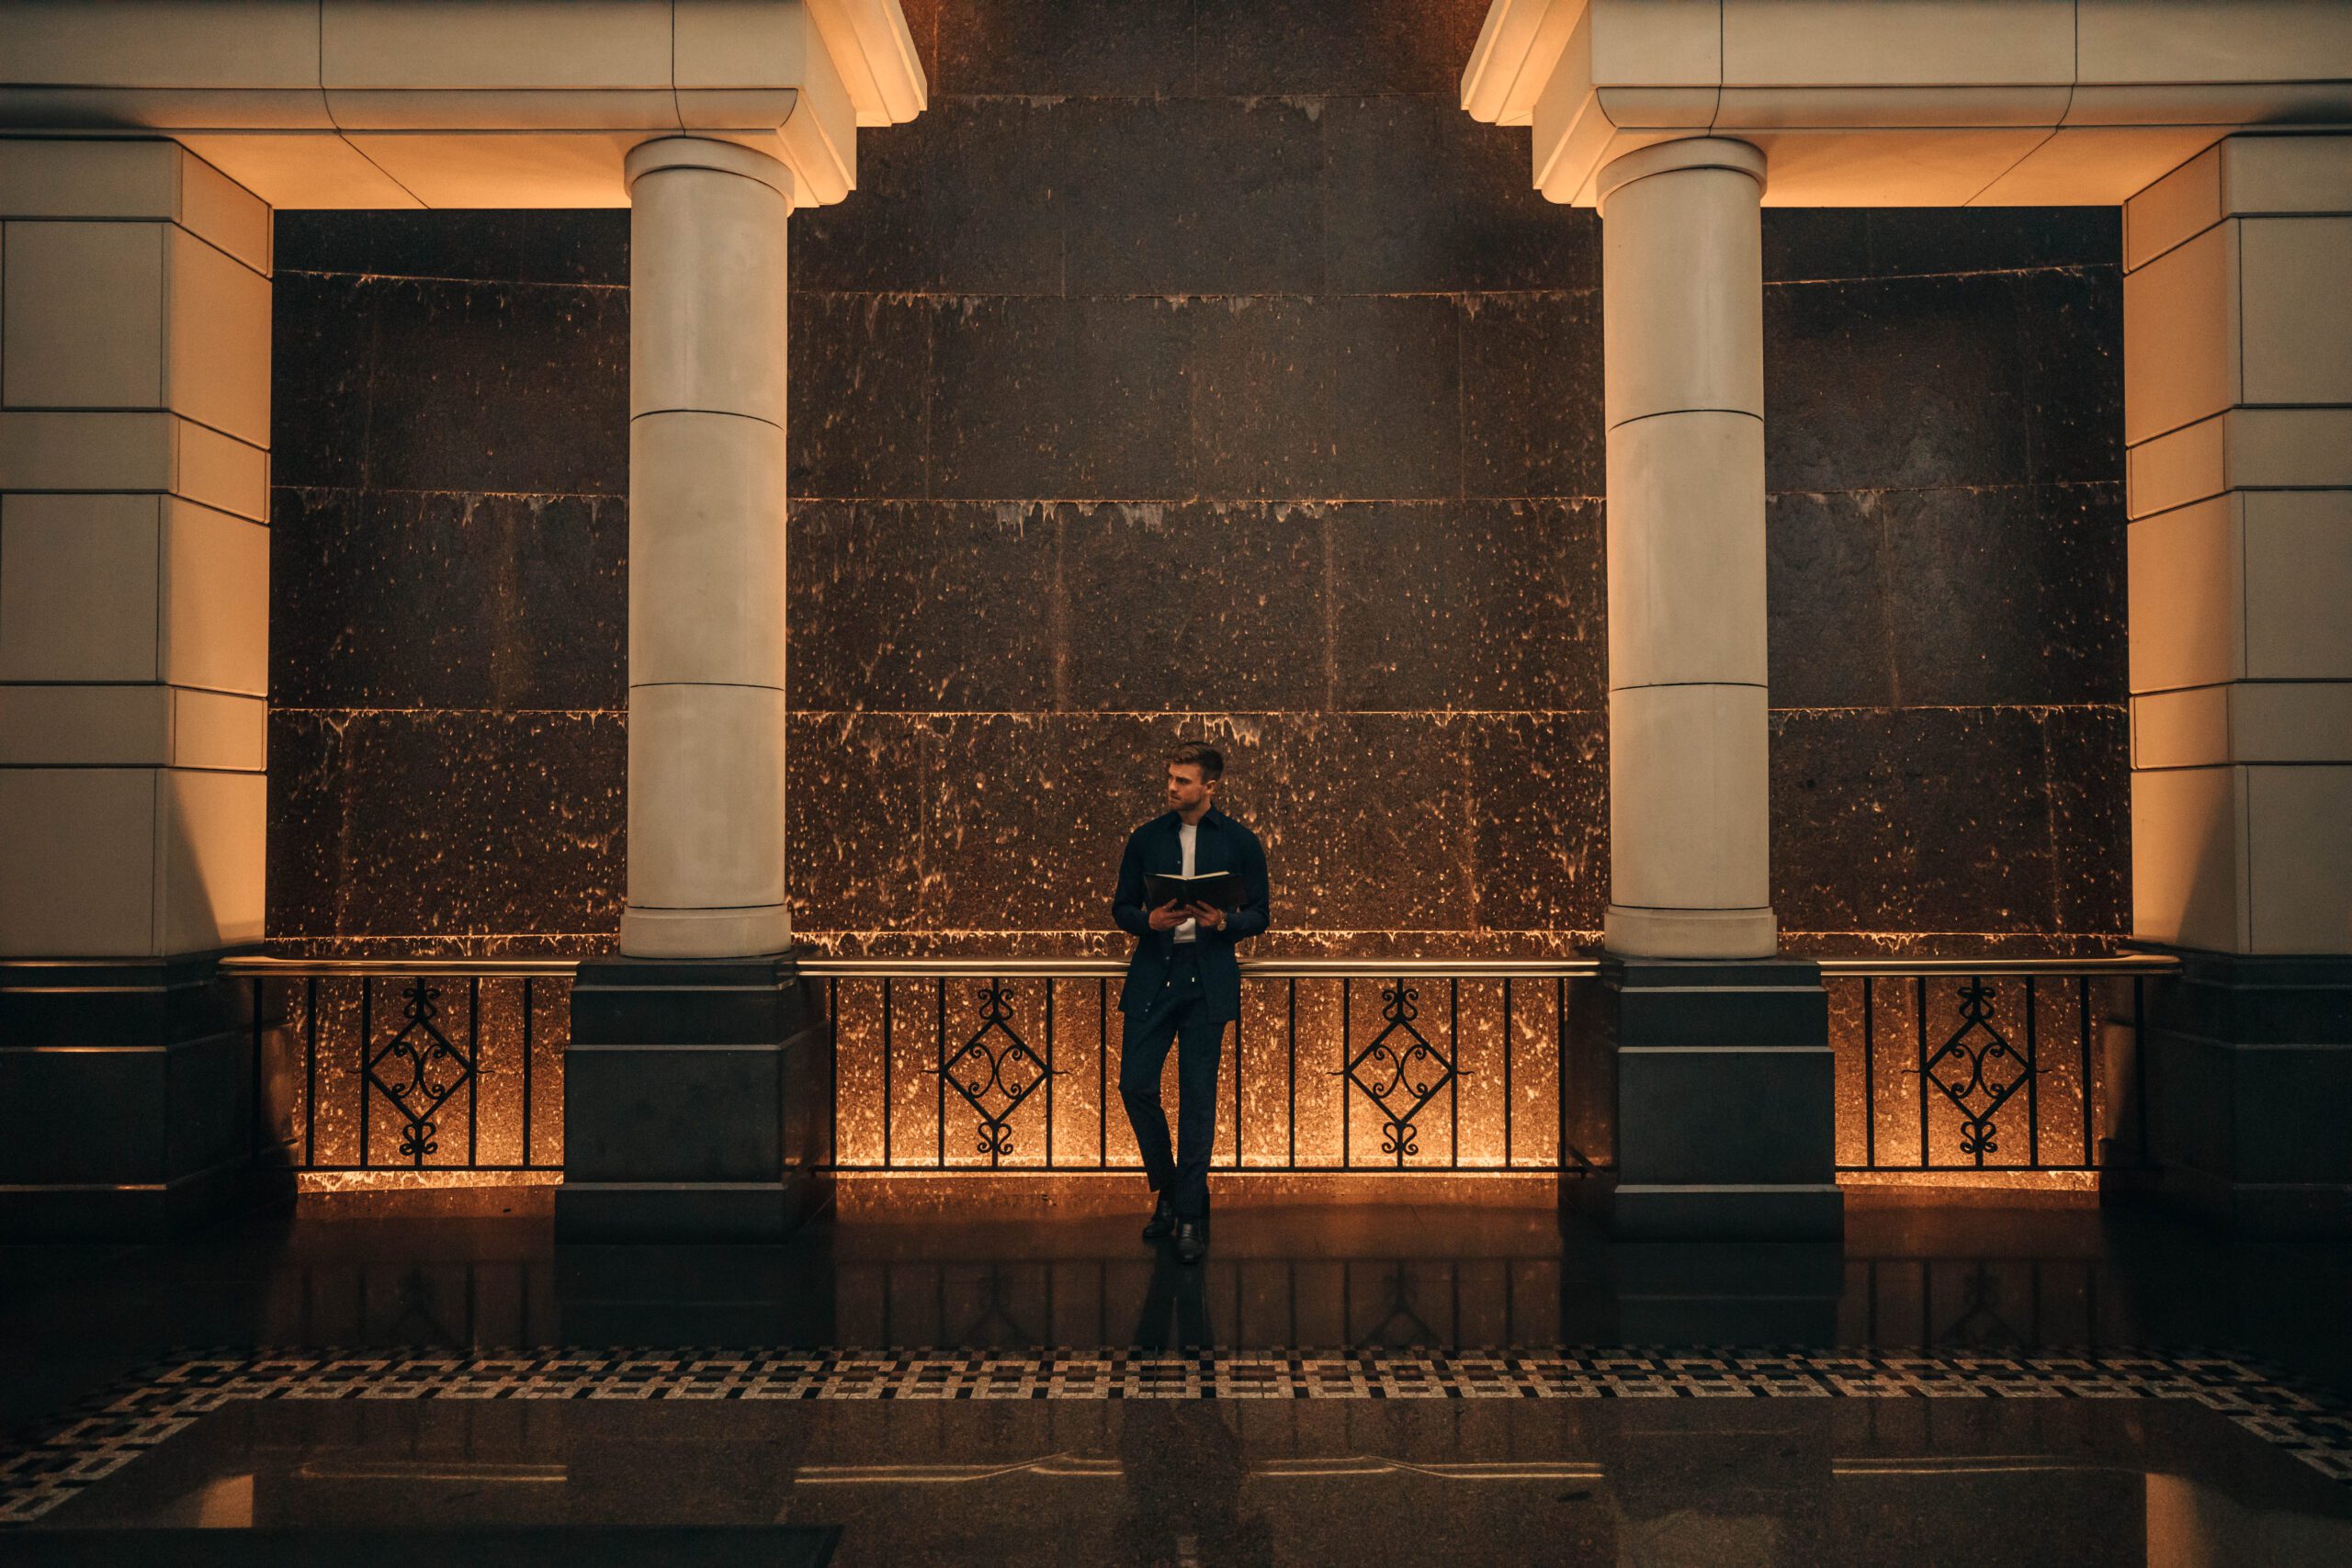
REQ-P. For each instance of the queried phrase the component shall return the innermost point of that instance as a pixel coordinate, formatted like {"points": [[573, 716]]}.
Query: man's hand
{"points": [[1209, 915], [1167, 917]]}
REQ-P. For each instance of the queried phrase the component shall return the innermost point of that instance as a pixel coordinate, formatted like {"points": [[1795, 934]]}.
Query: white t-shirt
{"points": [[1186, 834]]}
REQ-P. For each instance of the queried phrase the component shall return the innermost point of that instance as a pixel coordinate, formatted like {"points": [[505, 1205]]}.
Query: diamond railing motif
{"points": [[1978, 1070], [1400, 1071], [995, 1071], [408, 1070]]}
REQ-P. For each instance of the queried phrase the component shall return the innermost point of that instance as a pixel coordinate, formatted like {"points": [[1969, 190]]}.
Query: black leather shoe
{"points": [[1162, 1221], [1191, 1241]]}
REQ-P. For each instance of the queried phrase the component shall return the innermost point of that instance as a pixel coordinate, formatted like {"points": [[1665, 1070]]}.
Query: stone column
{"points": [[691, 1087], [134, 642], [1715, 1058], [1682, 324], [2238, 428], [705, 541]]}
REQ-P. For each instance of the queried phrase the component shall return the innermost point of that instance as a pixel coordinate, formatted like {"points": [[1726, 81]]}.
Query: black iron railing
{"points": [[2029, 1065], [1404, 1066], [449, 1065], [1949, 1069]]}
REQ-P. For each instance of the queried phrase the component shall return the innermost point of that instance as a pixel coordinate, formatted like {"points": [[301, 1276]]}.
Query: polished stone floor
{"points": [[1400, 1383]]}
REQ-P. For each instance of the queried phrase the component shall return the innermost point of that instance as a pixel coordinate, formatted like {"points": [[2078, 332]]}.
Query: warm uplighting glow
{"points": [[1465, 1069]]}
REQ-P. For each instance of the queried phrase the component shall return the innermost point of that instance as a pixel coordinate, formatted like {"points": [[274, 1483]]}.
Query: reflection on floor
{"points": [[1984, 1403], [1903, 1473]]}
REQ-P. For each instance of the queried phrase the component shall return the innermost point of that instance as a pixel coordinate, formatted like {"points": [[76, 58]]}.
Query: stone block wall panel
{"points": [[1200, 368]]}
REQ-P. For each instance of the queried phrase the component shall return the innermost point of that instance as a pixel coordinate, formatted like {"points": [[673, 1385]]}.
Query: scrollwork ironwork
{"points": [[995, 1071], [1401, 1076], [1977, 1070], [426, 1068]]}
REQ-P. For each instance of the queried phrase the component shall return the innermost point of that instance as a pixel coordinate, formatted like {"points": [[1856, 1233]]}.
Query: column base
{"points": [[694, 1103], [718, 934], [128, 1099], [1689, 933], [1707, 1112], [2247, 1062]]}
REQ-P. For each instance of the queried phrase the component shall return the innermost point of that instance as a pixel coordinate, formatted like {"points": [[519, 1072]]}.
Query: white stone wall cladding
{"points": [[2238, 415], [134, 554]]}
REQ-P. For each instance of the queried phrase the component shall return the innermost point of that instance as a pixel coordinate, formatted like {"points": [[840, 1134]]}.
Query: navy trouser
{"points": [[1181, 1176]]}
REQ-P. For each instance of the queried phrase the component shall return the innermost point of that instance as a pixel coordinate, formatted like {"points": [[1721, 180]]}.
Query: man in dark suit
{"points": [[1183, 985]]}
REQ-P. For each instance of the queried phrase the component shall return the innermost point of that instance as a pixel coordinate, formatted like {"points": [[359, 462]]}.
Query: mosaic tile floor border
{"points": [[136, 1414]]}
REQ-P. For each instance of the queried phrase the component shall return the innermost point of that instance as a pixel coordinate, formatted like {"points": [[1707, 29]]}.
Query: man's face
{"points": [[1187, 791]]}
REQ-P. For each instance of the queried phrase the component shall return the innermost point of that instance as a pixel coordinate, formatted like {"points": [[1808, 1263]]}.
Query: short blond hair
{"points": [[1199, 754]]}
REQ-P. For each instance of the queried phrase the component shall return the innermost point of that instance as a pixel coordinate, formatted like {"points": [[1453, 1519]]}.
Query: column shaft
{"points": [[706, 542], [1682, 322]]}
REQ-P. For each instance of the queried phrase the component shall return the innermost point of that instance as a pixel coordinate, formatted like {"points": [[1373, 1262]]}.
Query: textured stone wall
{"points": [[1943, 423], [448, 592], [1197, 367]]}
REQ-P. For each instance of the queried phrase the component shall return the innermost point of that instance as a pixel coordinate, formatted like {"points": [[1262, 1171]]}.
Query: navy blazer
{"points": [[1221, 844]]}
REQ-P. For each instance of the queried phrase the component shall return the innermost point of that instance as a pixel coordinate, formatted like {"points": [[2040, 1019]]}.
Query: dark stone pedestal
{"points": [[128, 1099], [1703, 1102], [2248, 1087], [693, 1102]]}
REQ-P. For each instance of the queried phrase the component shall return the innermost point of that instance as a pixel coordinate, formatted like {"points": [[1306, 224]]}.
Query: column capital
{"points": [[1669, 157], [707, 153]]}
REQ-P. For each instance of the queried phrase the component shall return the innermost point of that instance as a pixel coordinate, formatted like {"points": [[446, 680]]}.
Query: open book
{"points": [[1218, 889]]}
